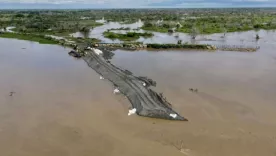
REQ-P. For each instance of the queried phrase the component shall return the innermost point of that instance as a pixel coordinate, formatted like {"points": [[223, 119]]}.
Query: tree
{"points": [[77, 25], [170, 31], [19, 16], [194, 33], [166, 25], [1, 26], [179, 42], [178, 25], [85, 31], [22, 29], [224, 32], [257, 37], [148, 24], [257, 26]]}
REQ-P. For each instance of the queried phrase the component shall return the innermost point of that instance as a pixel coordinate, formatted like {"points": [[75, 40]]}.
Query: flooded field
{"points": [[236, 38], [98, 31], [61, 107]]}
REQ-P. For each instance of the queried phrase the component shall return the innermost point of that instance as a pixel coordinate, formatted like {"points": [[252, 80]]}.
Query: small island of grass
{"points": [[129, 36], [122, 28]]}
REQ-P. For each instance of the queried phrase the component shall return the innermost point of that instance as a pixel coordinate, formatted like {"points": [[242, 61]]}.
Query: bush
{"points": [[126, 37], [184, 46], [257, 37], [131, 34], [148, 24]]}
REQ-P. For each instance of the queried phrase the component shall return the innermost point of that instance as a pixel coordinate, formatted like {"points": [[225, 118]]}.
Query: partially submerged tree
{"points": [[148, 24], [85, 31], [257, 37], [224, 31], [170, 31], [194, 32], [179, 42]]}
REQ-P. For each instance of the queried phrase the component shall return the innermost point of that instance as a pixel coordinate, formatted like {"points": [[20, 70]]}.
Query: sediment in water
{"points": [[147, 102]]}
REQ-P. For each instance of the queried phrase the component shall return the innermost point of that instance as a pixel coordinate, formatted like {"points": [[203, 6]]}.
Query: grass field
{"points": [[29, 37]]}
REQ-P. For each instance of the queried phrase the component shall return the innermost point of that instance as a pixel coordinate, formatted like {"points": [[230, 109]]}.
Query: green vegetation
{"points": [[209, 25], [60, 23], [128, 21], [122, 28], [156, 29], [191, 21], [152, 27], [208, 21], [184, 46], [129, 36], [84, 40], [30, 37], [257, 37]]}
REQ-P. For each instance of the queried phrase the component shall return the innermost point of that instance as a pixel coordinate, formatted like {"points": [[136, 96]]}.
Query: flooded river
{"points": [[61, 107]]}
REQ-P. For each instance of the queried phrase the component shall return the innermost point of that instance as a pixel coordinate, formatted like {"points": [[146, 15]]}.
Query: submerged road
{"points": [[147, 102]]}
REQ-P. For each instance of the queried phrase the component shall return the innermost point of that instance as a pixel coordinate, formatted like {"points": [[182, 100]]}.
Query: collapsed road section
{"points": [[145, 102]]}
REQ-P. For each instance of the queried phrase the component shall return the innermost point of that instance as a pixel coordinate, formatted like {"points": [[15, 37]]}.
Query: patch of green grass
{"points": [[184, 46], [91, 23], [130, 21], [29, 37], [84, 40], [130, 36], [156, 29], [122, 28], [45, 32]]}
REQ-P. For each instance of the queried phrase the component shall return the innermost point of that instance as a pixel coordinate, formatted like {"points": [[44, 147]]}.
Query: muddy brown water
{"points": [[61, 107]]}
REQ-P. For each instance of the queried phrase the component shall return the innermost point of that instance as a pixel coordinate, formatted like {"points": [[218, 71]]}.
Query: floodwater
{"points": [[235, 38], [97, 32], [234, 111], [61, 107]]}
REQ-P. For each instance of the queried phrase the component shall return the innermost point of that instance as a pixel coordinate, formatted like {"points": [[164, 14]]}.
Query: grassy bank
{"points": [[44, 32], [30, 37], [156, 29], [177, 46], [84, 40], [122, 28], [59, 28], [130, 36]]}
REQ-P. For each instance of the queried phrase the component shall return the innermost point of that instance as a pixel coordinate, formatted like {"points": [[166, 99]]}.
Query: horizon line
{"points": [[114, 8]]}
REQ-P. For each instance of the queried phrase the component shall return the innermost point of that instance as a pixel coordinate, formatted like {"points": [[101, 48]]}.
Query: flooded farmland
{"points": [[60, 106]]}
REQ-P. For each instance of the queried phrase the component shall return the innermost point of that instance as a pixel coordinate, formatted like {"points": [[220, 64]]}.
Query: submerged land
{"points": [[59, 106], [193, 22]]}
